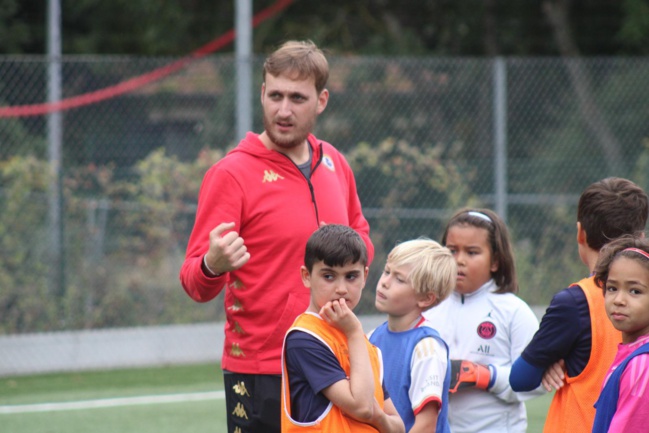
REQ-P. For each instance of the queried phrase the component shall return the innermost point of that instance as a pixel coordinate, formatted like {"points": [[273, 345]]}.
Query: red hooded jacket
{"points": [[275, 209]]}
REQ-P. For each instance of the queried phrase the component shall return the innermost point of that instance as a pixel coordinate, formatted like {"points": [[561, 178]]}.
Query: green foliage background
{"points": [[131, 280], [413, 114], [417, 132], [371, 27]]}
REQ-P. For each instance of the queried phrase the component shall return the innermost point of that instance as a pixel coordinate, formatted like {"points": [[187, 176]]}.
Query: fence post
{"points": [[54, 139], [243, 48], [500, 136]]}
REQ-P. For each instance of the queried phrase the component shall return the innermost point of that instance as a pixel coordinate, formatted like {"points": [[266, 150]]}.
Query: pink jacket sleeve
{"points": [[633, 403]]}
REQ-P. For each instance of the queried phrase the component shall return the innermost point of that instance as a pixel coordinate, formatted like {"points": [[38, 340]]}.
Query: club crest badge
{"points": [[487, 330], [328, 162]]}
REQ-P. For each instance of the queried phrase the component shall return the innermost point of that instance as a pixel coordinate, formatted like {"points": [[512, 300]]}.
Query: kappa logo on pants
{"points": [[240, 389], [240, 411]]}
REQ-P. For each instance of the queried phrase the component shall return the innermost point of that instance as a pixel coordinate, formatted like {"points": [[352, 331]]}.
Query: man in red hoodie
{"points": [[256, 209]]}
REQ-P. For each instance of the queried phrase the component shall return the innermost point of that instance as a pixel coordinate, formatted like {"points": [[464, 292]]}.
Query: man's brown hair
{"points": [[300, 60]]}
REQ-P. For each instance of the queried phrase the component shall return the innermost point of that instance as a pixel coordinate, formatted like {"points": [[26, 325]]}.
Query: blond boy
{"points": [[418, 275]]}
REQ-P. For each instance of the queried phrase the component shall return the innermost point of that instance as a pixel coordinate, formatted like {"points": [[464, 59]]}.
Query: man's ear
{"points": [[323, 98]]}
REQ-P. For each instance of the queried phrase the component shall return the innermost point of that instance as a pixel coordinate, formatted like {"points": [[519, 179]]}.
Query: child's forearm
{"points": [[387, 421], [354, 396], [361, 377], [390, 424]]}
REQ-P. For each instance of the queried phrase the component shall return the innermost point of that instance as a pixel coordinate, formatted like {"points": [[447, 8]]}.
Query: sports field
{"points": [[151, 400]]}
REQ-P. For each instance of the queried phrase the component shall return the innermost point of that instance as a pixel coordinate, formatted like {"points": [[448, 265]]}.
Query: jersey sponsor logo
{"points": [[487, 330], [328, 162], [485, 350], [271, 176], [432, 381]]}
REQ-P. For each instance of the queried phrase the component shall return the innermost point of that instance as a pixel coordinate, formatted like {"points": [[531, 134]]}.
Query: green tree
{"points": [[23, 245], [413, 189], [173, 28], [15, 32]]}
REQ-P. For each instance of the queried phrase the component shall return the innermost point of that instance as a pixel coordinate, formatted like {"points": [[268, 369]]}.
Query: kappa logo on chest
{"points": [[271, 176]]}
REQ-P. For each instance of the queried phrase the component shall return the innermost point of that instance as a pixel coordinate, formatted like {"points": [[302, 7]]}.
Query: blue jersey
{"points": [[398, 350]]}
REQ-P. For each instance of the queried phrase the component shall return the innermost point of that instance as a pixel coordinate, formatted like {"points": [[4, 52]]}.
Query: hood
{"points": [[253, 146]]}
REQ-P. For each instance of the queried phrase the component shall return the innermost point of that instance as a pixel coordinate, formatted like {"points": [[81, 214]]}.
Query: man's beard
{"points": [[293, 140]]}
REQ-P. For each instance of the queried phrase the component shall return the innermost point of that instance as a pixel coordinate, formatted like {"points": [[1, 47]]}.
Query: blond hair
{"points": [[433, 268]]}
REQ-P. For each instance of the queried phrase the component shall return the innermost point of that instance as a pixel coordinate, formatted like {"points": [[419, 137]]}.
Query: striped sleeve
{"points": [[427, 373]]}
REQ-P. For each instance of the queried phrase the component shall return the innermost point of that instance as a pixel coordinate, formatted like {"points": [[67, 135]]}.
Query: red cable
{"points": [[141, 80]]}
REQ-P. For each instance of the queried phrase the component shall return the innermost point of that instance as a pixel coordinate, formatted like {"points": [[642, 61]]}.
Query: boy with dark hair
{"points": [[331, 374], [575, 331]]}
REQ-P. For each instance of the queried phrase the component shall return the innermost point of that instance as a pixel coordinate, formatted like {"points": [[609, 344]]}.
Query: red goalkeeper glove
{"points": [[466, 373]]}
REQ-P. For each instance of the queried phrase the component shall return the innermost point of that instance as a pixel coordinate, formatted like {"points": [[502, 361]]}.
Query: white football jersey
{"points": [[490, 329]]}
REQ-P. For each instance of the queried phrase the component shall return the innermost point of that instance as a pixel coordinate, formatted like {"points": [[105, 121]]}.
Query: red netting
{"points": [[141, 80]]}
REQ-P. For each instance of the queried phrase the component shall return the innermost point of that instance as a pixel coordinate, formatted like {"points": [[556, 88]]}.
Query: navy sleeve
{"points": [[564, 333], [308, 358], [311, 367], [525, 377]]}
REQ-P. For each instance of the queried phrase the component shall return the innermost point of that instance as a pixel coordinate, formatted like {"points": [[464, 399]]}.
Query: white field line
{"points": [[112, 402]]}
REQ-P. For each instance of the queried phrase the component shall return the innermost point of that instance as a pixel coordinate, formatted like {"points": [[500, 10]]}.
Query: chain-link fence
{"points": [[425, 136]]}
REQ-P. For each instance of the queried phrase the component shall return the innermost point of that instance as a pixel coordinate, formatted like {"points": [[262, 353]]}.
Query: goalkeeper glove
{"points": [[465, 374]]}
